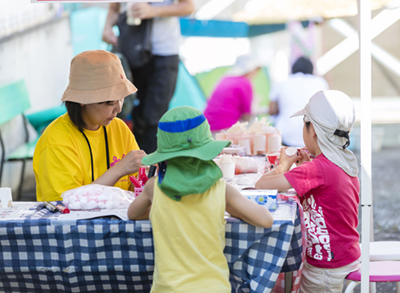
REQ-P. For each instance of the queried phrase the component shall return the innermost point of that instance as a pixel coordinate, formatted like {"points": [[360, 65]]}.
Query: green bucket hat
{"points": [[184, 132]]}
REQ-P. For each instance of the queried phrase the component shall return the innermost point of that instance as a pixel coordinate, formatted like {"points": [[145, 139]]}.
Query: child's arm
{"points": [[275, 179], [241, 207], [140, 207], [273, 182]]}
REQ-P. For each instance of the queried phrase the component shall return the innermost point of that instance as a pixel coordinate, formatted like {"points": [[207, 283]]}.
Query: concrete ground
{"points": [[386, 201]]}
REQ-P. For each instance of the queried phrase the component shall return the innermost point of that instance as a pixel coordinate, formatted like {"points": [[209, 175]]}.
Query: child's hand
{"points": [[304, 156], [285, 161]]}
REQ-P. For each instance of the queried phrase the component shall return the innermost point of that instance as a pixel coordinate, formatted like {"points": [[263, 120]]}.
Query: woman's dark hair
{"points": [[75, 114], [304, 65]]}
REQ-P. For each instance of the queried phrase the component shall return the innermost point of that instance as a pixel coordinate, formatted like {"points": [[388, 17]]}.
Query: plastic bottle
{"points": [[130, 19]]}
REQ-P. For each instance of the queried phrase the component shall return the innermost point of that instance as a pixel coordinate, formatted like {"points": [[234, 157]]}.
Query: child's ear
{"points": [[314, 134]]}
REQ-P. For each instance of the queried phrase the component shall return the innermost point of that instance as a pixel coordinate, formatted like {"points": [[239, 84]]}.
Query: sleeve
{"points": [[246, 92], [325, 84], [306, 177], [274, 92], [59, 170]]}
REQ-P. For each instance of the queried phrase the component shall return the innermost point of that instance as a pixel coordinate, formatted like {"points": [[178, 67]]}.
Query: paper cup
{"points": [[6, 197], [245, 143], [260, 144], [274, 143], [273, 160], [220, 136]]}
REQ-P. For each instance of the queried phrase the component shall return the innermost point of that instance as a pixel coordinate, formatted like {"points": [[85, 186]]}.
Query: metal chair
{"points": [[379, 271], [382, 252]]}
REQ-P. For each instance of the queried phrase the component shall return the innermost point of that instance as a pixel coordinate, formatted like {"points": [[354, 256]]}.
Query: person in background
{"points": [[156, 80], [188, 200], [88, 144], [328, 188], [231, 100], [291, 94]]}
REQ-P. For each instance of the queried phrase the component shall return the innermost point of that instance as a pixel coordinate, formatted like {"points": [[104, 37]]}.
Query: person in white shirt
{"points": [[291, 94], [155, 80]]}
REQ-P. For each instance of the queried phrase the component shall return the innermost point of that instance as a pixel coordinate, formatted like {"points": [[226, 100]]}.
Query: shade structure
{"points": [[272, 11]]}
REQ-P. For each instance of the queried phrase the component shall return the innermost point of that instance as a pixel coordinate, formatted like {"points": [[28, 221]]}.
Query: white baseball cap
{"points": [[243, 65], [332, 114]]}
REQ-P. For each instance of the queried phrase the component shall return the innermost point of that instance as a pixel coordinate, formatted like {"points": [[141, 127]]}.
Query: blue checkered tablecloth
{"points": [[46, 254]]}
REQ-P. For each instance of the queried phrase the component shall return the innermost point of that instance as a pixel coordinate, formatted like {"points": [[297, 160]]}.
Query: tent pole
{"points": [[364, 17]]}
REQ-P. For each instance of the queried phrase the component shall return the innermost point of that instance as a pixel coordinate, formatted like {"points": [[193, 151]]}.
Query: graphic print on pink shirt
{"points": [[318, 240], [330, 212]]}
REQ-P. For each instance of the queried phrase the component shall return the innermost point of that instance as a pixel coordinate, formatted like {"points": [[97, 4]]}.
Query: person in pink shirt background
{"points": [[231, 100], [328, 188]]}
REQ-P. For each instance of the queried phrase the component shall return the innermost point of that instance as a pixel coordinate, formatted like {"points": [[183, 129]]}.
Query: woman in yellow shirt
{"points": [[88, 144]]}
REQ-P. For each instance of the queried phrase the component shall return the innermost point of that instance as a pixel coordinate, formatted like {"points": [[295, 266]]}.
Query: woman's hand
{"points": [[109, 37], [131, 162], [142, 10]]}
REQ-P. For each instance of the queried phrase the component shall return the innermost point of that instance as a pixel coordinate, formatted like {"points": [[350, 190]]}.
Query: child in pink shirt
{"points": [[329, 190]]}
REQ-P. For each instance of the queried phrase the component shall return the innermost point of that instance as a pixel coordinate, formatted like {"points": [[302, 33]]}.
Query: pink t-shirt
{"points": [[330, 200], [231, 98]]}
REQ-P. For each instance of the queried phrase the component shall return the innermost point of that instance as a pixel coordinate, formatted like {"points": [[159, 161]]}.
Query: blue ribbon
{"points": [[181, 125]]}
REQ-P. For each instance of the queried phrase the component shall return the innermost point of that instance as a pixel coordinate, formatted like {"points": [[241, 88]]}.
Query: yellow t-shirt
{"points": [[189, 242], [62, 158]]}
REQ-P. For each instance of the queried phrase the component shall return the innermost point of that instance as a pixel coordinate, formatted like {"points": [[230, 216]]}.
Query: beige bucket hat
{"points": [[97, 76]]}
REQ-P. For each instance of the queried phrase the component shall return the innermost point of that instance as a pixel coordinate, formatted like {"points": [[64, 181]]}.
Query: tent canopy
{"points": [[274, 12]]}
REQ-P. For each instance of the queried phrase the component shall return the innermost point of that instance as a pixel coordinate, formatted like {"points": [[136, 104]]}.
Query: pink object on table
{"points": [[138, 190], [135, 182], [142, 175]]}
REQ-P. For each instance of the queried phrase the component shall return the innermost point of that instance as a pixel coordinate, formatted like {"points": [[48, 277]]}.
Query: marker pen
{"points": [[52, 208], [58, 208], [62, 209]]}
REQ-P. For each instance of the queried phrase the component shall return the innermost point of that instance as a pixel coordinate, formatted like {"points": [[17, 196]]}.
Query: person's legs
{"points": [[320, 280], [156, 85]]}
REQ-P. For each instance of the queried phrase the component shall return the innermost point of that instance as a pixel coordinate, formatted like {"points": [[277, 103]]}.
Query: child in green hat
{"points": [[188, 200]]}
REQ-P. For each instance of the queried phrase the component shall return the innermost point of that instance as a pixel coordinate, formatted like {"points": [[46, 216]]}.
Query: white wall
{"points": [[41, 55]]}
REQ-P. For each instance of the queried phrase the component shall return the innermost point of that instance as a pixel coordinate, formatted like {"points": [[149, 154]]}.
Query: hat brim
{"points": [[112, 93], [238, 71], [206, 152], [298, 113]]}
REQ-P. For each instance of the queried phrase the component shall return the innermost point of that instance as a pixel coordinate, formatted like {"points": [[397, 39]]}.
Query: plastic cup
{"points": [[260, 142], [274, 143], [245, 143], [220, 136], [6, 197], [273, 160]]}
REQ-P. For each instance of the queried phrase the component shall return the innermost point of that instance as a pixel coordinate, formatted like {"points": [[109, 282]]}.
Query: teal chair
{"points": [[14, 101]]}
